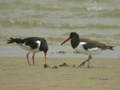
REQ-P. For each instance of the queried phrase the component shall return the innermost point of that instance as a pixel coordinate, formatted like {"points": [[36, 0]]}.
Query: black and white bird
{"points": [[32, 44], [89, 46]]}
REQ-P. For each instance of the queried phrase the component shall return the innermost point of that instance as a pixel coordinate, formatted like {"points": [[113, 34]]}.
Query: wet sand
{"points": [[15, 74]]}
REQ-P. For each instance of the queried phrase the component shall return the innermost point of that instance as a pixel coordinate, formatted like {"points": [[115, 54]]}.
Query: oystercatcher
{"points": [[31, 44], [89, 46]]}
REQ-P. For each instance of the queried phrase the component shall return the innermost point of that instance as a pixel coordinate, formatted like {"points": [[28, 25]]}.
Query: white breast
{"points": [[80, 46], [82, 43]]}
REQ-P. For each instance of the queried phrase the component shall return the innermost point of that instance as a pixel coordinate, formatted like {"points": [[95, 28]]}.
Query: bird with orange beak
{"points": [[89, 46]]}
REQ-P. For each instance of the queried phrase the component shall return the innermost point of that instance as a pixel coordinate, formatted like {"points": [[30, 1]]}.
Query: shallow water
{"points": [[57, 52], [55, 19]]}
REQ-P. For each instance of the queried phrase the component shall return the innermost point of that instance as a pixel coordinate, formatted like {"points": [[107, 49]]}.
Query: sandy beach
{"points": [[104, 74]]}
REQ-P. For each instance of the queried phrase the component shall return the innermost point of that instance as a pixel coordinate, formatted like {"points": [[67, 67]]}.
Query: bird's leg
{"points": [[27, 55], [83, 63], [88, 60], [90, 57], [33, 57], [45, 55]]}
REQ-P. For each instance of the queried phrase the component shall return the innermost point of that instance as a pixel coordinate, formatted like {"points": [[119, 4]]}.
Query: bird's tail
{"points": [[110, 47], [14, 40]]}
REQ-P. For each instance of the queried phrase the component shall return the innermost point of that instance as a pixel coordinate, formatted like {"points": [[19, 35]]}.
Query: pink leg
{"points": [[27, 55], [33, 57], [45, 54]]}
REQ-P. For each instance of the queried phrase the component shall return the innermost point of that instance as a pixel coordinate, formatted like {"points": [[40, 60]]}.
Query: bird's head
{"points": [[73, 35]]}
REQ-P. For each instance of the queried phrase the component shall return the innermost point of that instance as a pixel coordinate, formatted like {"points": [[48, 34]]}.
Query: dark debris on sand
{"points": [[60, 65], [55, 67], [64, 65]]}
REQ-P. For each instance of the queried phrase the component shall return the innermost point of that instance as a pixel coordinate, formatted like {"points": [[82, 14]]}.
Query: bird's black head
{"points": [[44, 46], [74, 35]]}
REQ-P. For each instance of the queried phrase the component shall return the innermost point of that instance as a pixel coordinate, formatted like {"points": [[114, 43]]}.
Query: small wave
{"points": [[7, 23], [96, 12]]}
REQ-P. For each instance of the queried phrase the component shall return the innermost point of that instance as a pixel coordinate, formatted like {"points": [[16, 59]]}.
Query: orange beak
{"points": [[65, 41]]}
